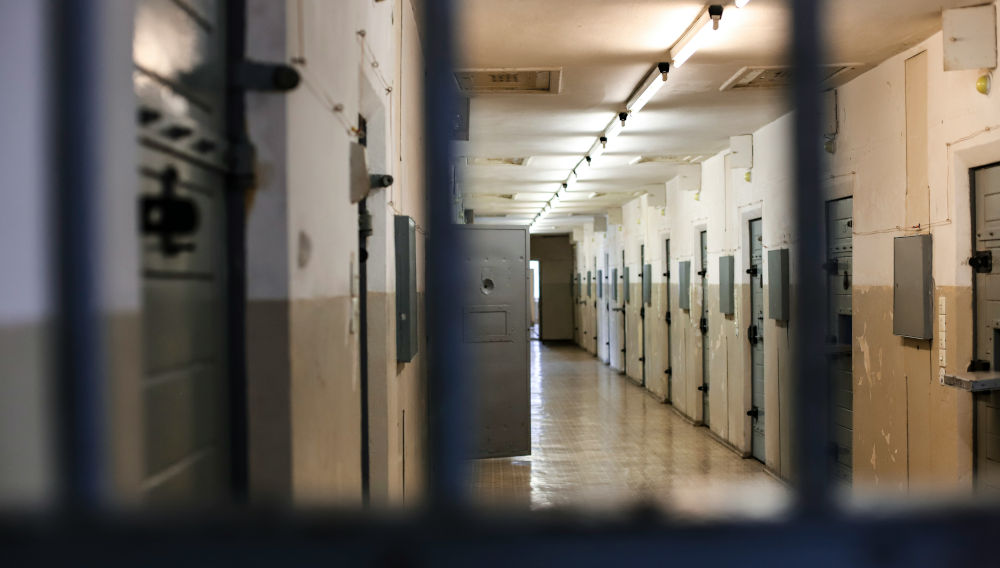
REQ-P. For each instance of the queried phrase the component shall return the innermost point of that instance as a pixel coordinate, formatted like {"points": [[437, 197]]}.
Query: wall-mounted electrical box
{"points": [[727, 304], [600, 283], [684, 281], [970, 37], [405, 231], [647, 284], [625, 286], [913, 288], [777, 282], [590, 280], [614, 284]]}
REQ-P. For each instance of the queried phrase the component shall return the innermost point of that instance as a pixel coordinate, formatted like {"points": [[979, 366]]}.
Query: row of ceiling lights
{"points": [[697, 36]]}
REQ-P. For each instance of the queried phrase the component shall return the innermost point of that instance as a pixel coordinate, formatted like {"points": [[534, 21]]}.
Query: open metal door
{"points": [[495, 335]]}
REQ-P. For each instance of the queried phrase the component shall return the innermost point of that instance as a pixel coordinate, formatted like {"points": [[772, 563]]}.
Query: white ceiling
{"points": [[605, 48]]}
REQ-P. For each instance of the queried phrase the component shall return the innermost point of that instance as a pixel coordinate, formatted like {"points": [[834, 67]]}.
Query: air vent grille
{"points": [[491, 81], [775, 77]]}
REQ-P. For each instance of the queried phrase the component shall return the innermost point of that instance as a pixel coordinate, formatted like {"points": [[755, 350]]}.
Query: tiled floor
{"points": [[600, 442]]}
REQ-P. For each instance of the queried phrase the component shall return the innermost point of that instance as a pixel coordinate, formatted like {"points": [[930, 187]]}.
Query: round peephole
{"points": [[488, 286]]}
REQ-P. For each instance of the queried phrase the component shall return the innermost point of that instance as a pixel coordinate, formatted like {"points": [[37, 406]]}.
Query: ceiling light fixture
{"points": [[741, 3], [697, 35], [652, 85]]}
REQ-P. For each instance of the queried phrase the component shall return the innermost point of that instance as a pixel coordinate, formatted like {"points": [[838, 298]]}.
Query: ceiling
{"points": [[605, 48]]}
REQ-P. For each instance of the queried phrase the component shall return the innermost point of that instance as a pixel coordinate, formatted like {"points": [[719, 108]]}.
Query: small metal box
{"points": [[913, 288], [625, 286], [647, 284], [727, 304], [777, 282], [406, 288], [684, 281]]}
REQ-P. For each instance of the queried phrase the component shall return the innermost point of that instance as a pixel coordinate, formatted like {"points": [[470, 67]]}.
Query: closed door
{"points": [[703, 273], [839, 320], [986, 329], [495, 335], [669, 370], [179, 77], [645, 280], [755, 335]]}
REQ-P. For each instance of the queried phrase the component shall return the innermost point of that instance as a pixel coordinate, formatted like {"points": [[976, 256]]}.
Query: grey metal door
{"points": [[669, 370], [495, 333], [703, 273], [986, 330], [179, 58], [645, 278], [755, 335], [839, 285]]}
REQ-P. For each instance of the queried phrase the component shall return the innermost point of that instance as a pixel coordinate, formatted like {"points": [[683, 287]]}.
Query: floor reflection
{"points": [[600, 442]]}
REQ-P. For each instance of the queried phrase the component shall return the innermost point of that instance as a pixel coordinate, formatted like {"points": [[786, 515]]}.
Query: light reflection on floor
{"points": [[600, 442]]}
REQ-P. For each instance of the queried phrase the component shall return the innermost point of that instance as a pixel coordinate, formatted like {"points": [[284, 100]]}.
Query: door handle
{"points": [[168, 216]]}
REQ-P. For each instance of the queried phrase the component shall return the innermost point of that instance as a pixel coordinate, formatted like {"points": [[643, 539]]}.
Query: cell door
{"points": [[839, 262], [625, 298], [645, 278], [703, 324], [669, 370], [986, 330], [495, 336], [179, 77], [755, 335]]}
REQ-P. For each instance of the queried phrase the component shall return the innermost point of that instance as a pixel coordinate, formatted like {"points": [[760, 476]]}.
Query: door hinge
{"points": [[703, 272], [753, 413], [642, 359], [752, 271], [668, 318], [669, 371], [704, 326], [703, 388]]}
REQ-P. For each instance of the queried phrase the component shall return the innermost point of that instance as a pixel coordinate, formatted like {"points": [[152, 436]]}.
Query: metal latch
{"points": [[982, 262], [168, 215]]}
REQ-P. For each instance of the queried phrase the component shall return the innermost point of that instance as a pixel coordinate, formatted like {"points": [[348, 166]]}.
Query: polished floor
{"points": [[600, 442]]}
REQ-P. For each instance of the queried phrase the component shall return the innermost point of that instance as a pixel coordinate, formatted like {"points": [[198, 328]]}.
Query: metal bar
{"points": [[446, 393], [811, 375], [236, 298], [77, 147]]}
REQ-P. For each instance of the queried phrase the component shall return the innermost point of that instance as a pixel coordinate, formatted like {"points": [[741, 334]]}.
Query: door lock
{"points": [[168, 216], [982, 262]]}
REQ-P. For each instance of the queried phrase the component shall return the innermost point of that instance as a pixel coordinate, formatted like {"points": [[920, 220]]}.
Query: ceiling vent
{"points": [[478, 161], [492, 81], [776, 77]]}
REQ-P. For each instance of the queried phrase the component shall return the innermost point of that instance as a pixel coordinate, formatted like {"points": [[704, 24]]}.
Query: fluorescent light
{"points": [[651, 86], [614, 129], [697, 36], [742, 3]]}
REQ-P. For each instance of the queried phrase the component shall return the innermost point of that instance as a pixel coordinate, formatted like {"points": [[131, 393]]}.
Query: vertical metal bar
{"points": [[236, 298], [446, 400], [75, 193], [811, 377]]}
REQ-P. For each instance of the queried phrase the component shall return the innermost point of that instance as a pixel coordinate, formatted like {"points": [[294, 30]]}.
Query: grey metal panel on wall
{"points": [[777, 282], [913, 288], [406, 288], [647, 284], [600, 283], [625, 286], [590, 281], [727, 304], [614, 284], [684, 284], [495, 331]]}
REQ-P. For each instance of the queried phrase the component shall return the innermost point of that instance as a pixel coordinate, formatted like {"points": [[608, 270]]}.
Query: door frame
{"points": [[744, 317]]}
